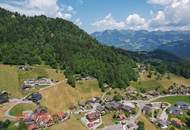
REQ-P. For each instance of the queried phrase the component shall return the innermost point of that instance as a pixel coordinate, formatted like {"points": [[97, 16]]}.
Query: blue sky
{"points": [[98, 15], [90, 11]]}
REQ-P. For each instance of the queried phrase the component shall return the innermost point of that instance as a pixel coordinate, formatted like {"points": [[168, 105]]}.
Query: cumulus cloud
{"points": [[49, 8], [108, 22], [174, 14], [133, 21], [136, 22]]}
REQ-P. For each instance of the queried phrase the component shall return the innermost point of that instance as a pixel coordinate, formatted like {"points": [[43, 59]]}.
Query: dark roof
{"points": [[4, 97], [35, 97], [175, 110], [182, 103], [113, 105]]}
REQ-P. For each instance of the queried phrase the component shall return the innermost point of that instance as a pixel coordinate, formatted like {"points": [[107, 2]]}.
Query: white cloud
{"points": [[78, 22], [133, 21], [108, 22], [160, 2], [136, 22], [174, 14], [49, 8]]}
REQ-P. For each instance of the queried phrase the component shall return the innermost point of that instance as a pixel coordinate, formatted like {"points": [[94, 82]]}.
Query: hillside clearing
{"points": [[174, 99], [60, 97], [163, 83], [9, 80], [72, 124], [148, 125]]}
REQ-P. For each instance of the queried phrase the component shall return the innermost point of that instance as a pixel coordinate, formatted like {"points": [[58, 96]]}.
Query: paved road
{"points": [[102, 98], [16, 101]]}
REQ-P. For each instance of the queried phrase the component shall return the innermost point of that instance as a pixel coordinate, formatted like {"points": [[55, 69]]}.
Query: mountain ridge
{"points": [[141, 40]]}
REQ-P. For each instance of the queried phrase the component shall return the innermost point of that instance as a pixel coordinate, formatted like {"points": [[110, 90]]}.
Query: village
{"points": [[125, 107], [126, 110]]}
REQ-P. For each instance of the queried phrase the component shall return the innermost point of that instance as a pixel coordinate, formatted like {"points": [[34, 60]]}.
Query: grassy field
{"points": [[18, 109], [9, 80], [174, 99], [147, 85], [60, 97], [3, 109], [148, 125], [72, 124], [32, 73], [107, 120], [55, 75], [152, 83]]}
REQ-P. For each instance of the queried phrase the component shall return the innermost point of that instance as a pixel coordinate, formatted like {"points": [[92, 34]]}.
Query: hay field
{"points": [[60, 97]]}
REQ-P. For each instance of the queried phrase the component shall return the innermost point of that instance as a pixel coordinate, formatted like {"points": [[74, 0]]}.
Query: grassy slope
{"points": [[174, 99], [11, 79], [60, 97], [18, 109], [72, 124], [147, 123], [33, 73], [147, 85], [164, 83]]}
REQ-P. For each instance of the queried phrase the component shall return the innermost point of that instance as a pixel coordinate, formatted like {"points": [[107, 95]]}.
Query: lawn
{"points": [[56, 75], [152, 83], [107, 119], [18, 109], [146, 85], [174, 99], [72, 124], [148, 125], [60, 97], [9, 80]]}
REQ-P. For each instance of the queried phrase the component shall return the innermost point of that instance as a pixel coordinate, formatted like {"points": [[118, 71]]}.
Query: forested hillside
{"points": [[162, 62], [61, 44]]}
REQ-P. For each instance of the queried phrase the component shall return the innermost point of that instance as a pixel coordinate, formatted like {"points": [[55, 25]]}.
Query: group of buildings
{"points": [[39, 82], [40, 118], [92, 119], [162, 117]]}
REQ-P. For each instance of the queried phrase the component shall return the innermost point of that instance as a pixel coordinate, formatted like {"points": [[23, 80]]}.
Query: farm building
{"points": [[4, 97]]}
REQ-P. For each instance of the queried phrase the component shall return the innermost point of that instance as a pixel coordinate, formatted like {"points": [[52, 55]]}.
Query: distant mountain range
{"points": [[176, 42]]}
